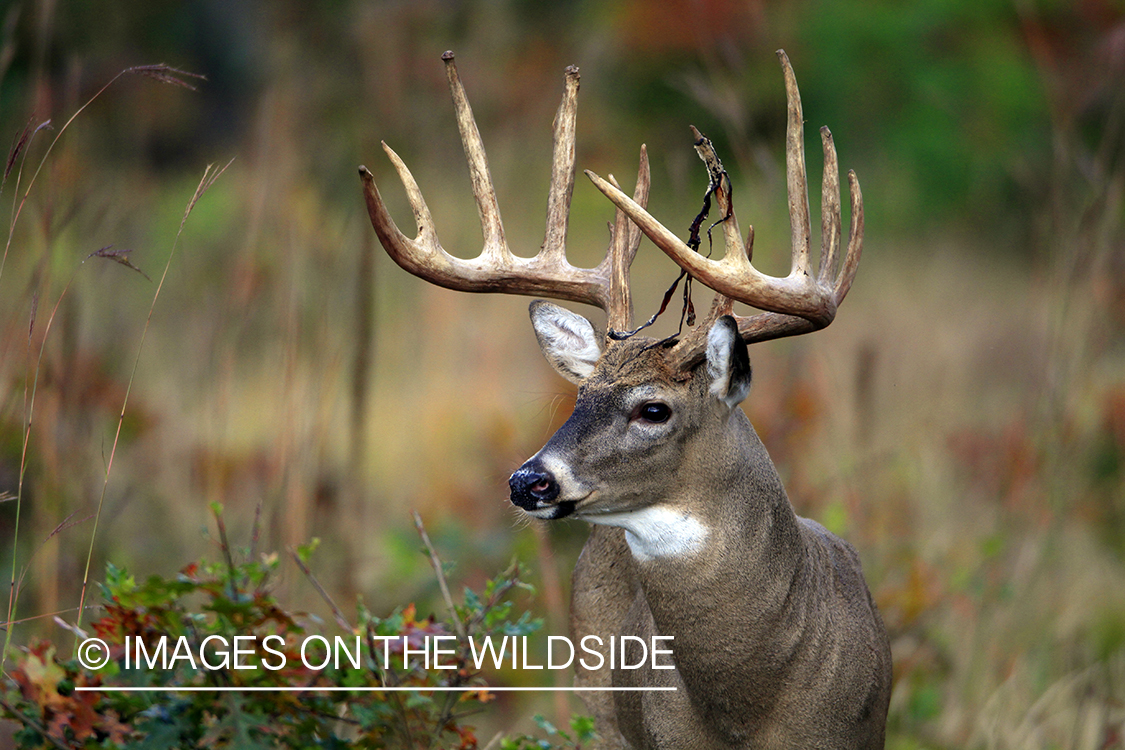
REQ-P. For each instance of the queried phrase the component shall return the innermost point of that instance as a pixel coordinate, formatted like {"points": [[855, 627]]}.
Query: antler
{"points": [[794, 304], [547, 274]]}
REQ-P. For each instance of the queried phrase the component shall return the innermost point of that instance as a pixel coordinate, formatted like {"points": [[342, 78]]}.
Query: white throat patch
{"points": [[656, 531]]}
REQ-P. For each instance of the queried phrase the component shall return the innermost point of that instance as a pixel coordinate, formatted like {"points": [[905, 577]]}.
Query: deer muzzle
{"points": [[536, 491], [533, 487]]}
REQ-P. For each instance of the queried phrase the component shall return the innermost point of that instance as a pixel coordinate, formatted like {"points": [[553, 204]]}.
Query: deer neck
{"points": [[733, 500], [729, 535]]}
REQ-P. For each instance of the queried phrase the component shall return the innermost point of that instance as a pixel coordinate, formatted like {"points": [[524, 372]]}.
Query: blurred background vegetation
{"points": [[962, 422]]}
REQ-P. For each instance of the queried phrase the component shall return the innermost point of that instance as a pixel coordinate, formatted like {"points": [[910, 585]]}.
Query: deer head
{"points": [[688, 509], [644, 438]]}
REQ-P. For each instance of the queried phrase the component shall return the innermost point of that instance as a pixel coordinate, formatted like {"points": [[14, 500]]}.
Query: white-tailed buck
{"points": [[775, 639]]}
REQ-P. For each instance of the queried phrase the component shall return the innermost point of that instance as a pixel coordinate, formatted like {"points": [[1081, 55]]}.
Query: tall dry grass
{"points": [[962, 422]]}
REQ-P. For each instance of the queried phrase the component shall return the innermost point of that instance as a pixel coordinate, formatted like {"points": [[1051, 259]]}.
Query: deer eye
{"points": [[655, 412]]}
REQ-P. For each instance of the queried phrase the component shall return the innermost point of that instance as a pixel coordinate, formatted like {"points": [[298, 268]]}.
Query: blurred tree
{"points": [[951, 106], [944, 97]]}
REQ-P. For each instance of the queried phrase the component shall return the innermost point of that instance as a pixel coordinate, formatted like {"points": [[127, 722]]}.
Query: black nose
{"points": [[531, 487]]}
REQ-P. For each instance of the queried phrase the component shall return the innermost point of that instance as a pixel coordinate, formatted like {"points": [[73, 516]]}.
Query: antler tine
{"points": [[829, 212], [483, 190], [625, 238], [719, 178], [796, 178], [720, 184], [855, 240], [562, 170], [408, 253]]}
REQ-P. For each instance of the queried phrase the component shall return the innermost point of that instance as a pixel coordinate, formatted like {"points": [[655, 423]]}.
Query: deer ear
{"points": [[728, 362], [567, 339]]}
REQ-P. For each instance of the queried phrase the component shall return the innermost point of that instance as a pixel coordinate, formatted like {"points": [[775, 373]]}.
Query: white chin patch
{"points": [[656, 531]]}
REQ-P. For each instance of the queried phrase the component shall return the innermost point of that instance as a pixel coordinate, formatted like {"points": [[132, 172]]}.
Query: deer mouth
{"points": [[564, 508], [561, 509]]}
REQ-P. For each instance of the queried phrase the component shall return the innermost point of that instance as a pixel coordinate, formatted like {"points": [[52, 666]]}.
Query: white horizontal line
{"points": [[338, 688]]}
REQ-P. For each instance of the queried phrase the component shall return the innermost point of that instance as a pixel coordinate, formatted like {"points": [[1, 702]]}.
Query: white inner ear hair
{"points": [[573, 343], [718, 360]]}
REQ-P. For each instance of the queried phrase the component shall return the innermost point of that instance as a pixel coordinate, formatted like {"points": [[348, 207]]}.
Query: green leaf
{"points": [[583, 728], [159, 735], [545, 725], [304, 551], [118, 581], [523, 626], [419, 700]]}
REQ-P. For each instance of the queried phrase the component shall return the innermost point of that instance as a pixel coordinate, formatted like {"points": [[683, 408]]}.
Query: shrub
{"points": [[172, 676]]}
